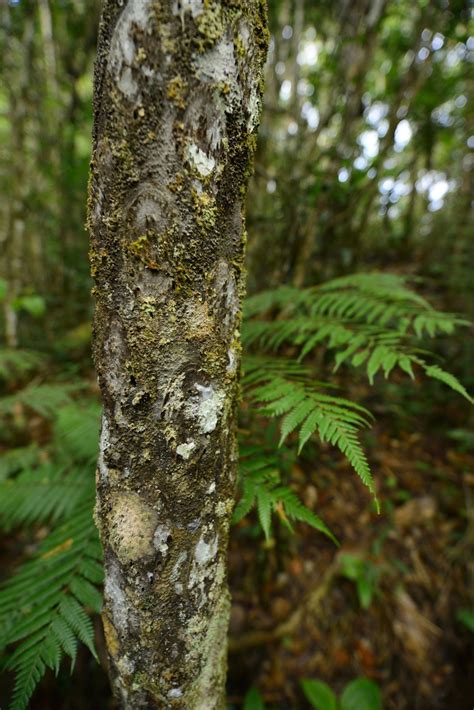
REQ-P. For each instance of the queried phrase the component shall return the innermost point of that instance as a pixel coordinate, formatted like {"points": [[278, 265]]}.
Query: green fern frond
{"points": [[275, 298], [436, 373], [385, 286], [42, 605], [336, 420], [294, 509], [18, 459], [370, 320], [47, 493], [260, 480], [76, 431], [44, 399], [15, 363]]}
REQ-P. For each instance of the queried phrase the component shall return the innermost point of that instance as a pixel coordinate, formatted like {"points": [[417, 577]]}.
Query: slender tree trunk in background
{"points": [[18, 55], [177, 94]]}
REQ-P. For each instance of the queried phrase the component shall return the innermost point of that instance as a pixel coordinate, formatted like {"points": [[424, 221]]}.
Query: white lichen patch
{"points": [[115, 595], [103, 446], [203, 163], [253, 108], [160, 539], [194, 7], [176, 572], [132, 525], [218, 66], [194, 524], [127, 84], [202, 569], [205, 551], [232, 364], [125, 665], [122, 46], [244, 34], [185, 450], [223, 508], [206, 407], [175, 693]]}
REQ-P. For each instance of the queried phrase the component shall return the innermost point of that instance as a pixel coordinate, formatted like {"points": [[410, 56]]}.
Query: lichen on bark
{"points": [[177, 91]]}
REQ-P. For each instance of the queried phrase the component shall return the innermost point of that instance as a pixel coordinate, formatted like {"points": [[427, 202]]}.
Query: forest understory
{"points": [[355, 332]]}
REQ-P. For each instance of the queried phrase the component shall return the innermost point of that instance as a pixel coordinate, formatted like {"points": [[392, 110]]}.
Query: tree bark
{"points": [[177, 94]]}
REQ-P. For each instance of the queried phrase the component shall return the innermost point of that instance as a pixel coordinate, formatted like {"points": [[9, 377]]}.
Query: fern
{"points": [[42, 605], [76, 432], [368, 319], [47, 493], [18, 363], [260, 479], [304, 406], [17, 459], [44, 399]]}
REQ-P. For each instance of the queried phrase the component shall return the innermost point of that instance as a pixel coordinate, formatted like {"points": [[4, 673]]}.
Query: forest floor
{"points": [[385, 604]]}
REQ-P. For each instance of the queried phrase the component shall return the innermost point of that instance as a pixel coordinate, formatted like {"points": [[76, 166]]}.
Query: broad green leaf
{"points": [[365, 591], [361, 694], [319, 694], [253, 700], [34, 305]]}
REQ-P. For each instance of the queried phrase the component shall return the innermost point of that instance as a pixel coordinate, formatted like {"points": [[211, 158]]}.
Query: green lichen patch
{"points": [[176, 91], [205, 209], [210, 26]]}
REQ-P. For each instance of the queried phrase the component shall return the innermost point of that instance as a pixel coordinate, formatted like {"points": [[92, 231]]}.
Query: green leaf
{"points": [[296, 510], [264, 508], [34, 305], [361, 694], [405, 364], [375, 362], [253, 700], [466, 617], [365, 591], [319, 694], [363, 573], [3, 289], [438, 374]]}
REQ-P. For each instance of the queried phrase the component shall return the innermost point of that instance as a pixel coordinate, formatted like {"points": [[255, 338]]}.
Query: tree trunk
{"points": [[177, 94]]}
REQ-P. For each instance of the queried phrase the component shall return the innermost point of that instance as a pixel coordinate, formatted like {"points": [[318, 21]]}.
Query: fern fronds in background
{"points": [[44, 399], [370, 320], [45, 605], [367, 319], [18, 363]]}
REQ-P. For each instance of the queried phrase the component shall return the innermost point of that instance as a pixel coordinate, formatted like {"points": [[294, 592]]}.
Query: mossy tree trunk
{"points": [[177, 94]]}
